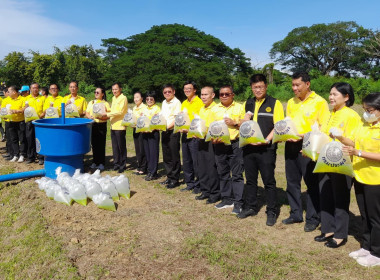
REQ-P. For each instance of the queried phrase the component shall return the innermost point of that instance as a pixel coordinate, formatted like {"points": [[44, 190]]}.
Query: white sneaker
{"points": [[21, 159], [93, 166], [101, 167], [369, 261], [359, 253], [14, 159]]}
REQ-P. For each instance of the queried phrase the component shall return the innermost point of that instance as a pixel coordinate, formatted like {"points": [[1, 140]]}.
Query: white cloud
{"points": [[24, 27]]}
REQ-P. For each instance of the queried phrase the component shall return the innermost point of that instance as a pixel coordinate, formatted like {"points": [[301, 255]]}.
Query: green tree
{"points": [[325, 47], [172, 53], [45, 69], [15, 69]]}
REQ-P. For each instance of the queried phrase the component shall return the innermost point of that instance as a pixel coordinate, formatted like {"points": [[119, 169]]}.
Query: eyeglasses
{"points": [[53, 88], [258, 87], [225, 94], [149, 99]]}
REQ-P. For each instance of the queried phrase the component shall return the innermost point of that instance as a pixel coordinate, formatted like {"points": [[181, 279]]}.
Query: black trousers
{"points": [[260, 159], [334, 192], [151, 143], [207, 171], [98, 142], [296, 168], [170, 153], [368, 198], [190, 161], [230, 166], [30, 136], [9, 139], [119, 148], [17, 134], [140, 151]]}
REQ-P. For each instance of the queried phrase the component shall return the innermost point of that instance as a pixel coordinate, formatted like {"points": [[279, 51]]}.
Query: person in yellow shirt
{"points": [[190, 146], [35, 101], [305, 108], [78, 100], [8, 144], [335, 188], [44, 93], [138, 109], [1, 124], [151, 140], [365, 150], [53, 100], [207, 172], [99, 129], [266, 111], [17, 125], [119, 108], [229, 159]]}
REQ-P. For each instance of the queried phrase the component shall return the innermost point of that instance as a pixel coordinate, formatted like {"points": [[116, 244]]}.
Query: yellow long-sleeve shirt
{"points": [[119, 108]]}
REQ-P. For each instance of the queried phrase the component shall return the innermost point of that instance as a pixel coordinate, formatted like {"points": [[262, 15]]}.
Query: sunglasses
{"points": [[97, 92], [149, 99], [225, 94]]}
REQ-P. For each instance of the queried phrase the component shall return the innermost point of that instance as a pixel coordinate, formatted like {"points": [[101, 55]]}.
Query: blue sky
{"points": [[253, 26]]}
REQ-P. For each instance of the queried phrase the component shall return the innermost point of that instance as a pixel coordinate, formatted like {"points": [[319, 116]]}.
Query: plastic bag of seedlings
{"points": [[158, 122], [92, 188], [285, 130], [78, 193], [250, 133], [42, 182], [143, 124], [197, 129], [122, 186], [63, 196], [104, 201], [108, 186], [51, 113], [30, 114], [5, 113], [98, 109], [51, 188], [71, 111], [181, 121], [218, 130], [313, 142], [331, 159], [129, 119]]}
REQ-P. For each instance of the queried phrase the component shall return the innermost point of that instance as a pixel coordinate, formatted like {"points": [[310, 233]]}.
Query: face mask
{"points": [[40, 93], [369, 118]]}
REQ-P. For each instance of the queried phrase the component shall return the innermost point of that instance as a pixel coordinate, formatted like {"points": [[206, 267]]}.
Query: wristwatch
{"points": [[360, 153]]}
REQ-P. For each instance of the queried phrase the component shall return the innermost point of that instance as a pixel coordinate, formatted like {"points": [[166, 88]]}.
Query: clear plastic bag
{"points": [[104, 201], [331, 159], [197, 129], [285, 130], [143, 124], [250, 133], [5, 113], [181, 121], [218, 130], [313, 142], [51, 113], [122, 186], [71, 111], [98, 109], [158, 122], [63, 196], [78, 193], [92, 188], [108, 186], [30, 114], [129, 119]]}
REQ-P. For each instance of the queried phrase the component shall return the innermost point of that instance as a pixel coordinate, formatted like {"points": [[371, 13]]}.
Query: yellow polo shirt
{"points": [[36, 102], [151, 111], [119, 108], [91, 105], [4, 103], [305, 113], [17, 104], [192, 106], [204, 113], [346, 119], [235, 112], [79, 101], [367, 139], [138, 110], [56, 103]]}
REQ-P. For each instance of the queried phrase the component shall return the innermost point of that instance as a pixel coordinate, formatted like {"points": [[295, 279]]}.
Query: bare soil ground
{"points": [[167, 234]]}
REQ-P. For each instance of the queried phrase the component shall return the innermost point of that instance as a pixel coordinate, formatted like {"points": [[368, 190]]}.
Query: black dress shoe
{"points": [[245, 213], [271, 219], [116, 167], [172, 185], [323, 237], [212, 200], [148, 177], [6, 155], [30, 161], [201, 197], [41, 162], [290, 221], [332, 243], [196, 191], [167, 181], [188, 188], [121, 170], [310, 227]]}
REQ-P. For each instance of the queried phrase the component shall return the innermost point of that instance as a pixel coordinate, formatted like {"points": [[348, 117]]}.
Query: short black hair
{"points": [[345, 89], [139, 92], [258, 78], [73, 81], [372, 100], [151, 94], [13, 87], [227, 86], [168, 86], [190, 83], [303, 75], [118, 84], [45, 90], [55, 85], [34, 83]]}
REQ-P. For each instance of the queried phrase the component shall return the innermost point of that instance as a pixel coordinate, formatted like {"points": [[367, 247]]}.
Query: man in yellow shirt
{"points": [[17, 125], [6, 100], [229, 159], [119, 108], [190, 146], [304, 109], [73, 97], [53, 100], [35, 101], [266, 111], [207, 172]]}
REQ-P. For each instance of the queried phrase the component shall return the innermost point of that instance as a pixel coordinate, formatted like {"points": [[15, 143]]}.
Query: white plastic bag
{"points": [[108, 186], [250, 133], [285, 130], [218, 130], [129, 119], [63, 196], [71, 111], [143, 124], [5, 113], [197, 128], [98, 109], [104, 201], [181, 121], [30, 114], [51, 113], [78, 193], [313, 142], [122, 186], [158, 122], [92, 188]]}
